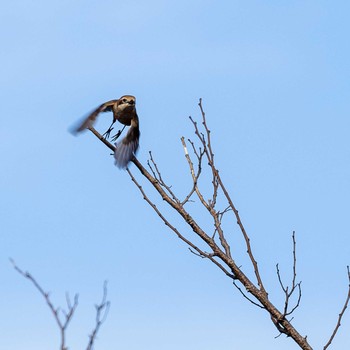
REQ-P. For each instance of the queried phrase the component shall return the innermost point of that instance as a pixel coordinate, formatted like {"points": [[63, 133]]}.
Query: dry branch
{"points": [[219, 251], [340, 316], [289, 291], [101, 315], [63, 317]]}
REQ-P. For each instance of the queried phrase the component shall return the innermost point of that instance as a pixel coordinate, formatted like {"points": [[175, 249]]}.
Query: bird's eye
{"points": [[124, 100]]}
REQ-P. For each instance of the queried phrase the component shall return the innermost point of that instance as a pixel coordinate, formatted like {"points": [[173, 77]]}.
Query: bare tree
{"points": [[215, 245], [63, 317]]}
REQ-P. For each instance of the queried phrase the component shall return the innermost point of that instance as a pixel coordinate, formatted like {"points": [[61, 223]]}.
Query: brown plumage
{"points": [[124, 111]]}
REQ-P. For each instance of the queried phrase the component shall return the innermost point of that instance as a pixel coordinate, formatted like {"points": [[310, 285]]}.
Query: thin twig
{"points": [[340, 316], [156, 174], [246, 297], [208, 206], [195, 176], [288, 292], [101, 315], [210, 157]]}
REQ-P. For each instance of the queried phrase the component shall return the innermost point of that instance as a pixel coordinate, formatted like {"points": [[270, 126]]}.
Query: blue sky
{"points": [[274, 78]]}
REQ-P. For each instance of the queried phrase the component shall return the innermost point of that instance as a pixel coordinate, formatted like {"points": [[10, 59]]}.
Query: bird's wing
{"points": [[126, 149], [91, 118]]}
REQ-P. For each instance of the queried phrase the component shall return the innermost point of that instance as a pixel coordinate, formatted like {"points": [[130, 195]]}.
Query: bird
{"points": [[124, 111]]}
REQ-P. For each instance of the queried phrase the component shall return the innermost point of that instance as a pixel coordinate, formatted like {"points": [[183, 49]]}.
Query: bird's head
{"points": [[127, 102]]}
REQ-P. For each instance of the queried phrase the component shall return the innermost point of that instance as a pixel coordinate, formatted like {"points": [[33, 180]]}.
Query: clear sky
{"points": [[274, 78]]}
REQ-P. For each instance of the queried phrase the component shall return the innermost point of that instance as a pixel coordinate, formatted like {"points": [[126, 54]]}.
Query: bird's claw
{"points": [[116, 136], [107, 133]]}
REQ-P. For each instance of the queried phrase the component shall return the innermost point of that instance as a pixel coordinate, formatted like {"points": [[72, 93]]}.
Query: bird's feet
{"points": [[107, 133], [116, 136]]}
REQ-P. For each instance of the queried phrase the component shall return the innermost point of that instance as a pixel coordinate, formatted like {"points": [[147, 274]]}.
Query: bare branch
{"points": [[209, 207], [246, 297], [157, 175], [210, 156], [174, 229], [193, 174], [289, 291], [101, 138], [340, 316], [62, 324], [101, 315], [227, 264]]}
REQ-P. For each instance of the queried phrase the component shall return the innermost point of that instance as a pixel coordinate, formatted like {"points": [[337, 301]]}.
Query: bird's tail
{"points": [[126, 149]]}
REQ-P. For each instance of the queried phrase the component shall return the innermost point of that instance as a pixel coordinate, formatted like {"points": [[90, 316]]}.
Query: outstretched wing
{"points": [[91, 118], [127, 147]]}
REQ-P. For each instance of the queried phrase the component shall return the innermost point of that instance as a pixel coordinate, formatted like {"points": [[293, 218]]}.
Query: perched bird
{"points": [[124, 111]]}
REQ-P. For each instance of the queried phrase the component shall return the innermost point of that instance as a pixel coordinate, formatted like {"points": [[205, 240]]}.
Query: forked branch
{"points": [[295, 287], [101, 314], [62, 316]]}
